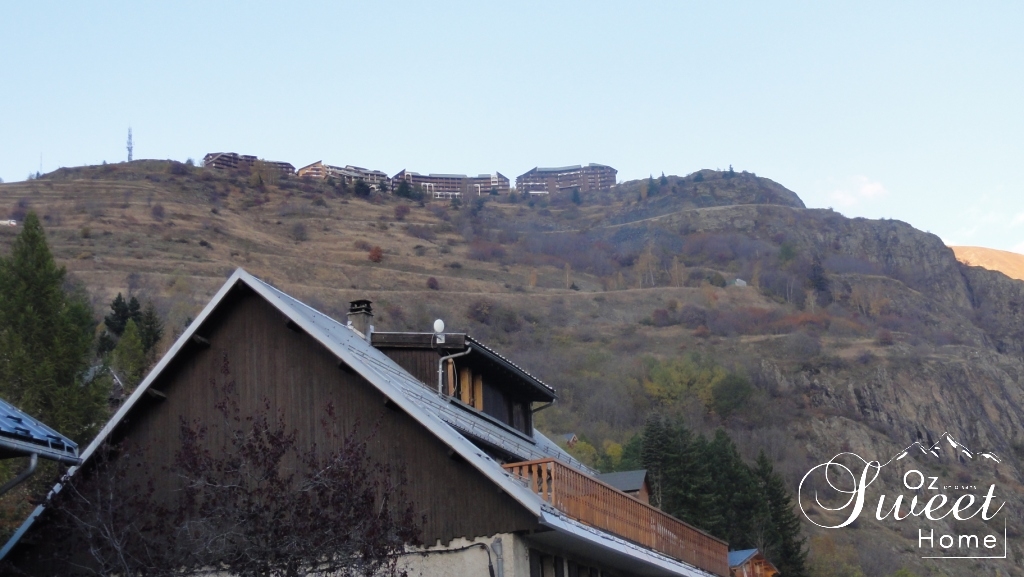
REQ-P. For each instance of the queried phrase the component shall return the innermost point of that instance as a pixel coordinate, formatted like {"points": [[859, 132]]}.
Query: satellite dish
{"points": [[438, 326]]}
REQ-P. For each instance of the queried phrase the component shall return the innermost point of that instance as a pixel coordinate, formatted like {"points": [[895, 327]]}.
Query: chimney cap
{"points": [[360, 306]]}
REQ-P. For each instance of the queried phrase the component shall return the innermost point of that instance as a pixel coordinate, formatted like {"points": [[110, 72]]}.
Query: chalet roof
{"points": [[625, 481], [451, 425], [737, 558], [21, 435]]}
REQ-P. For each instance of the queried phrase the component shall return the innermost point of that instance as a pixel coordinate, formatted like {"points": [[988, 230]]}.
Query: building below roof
{"points": [[750, 563], [632, 483]]}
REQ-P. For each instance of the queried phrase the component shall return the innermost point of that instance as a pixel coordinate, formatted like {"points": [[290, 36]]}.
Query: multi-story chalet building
{"points": [[349, 174], [498, 496], [566, 178], [225, 160], [454, 185]]}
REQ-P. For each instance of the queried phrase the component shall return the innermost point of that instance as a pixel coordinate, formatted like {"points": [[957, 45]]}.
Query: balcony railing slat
{"points": [[594, 503]]}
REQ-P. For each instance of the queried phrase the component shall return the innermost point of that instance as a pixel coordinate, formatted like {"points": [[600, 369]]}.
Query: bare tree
{"points": [[250, 501]]}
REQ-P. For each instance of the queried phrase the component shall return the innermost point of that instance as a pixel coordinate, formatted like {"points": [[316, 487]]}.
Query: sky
{"points": [[908, 110]]}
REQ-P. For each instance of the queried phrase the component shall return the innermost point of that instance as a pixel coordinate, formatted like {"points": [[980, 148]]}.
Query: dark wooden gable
{"points": [[271, 358]]}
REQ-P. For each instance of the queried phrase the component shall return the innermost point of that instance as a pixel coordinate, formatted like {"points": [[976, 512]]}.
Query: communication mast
{"points": [[130, 146]]}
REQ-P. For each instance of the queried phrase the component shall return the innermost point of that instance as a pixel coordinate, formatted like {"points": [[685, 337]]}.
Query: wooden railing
{"points": [[594, 503]]}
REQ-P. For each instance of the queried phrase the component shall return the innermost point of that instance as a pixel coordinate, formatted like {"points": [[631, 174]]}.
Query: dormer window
{"points": [[473, 375]]}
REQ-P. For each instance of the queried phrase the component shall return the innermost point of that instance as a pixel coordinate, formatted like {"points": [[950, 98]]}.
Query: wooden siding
{"points": [[420, 363], [300, 378]]}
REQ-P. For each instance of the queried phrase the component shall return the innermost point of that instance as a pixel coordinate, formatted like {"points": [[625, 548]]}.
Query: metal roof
{"points": [[21, 435], [558, 168], [495, 356], [625, 481], [737, 558], [451, 425]]}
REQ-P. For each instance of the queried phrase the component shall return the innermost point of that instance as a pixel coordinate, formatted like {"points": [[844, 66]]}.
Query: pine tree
{"points": [[656, 455], [129, 357], [46, 339], [118, 316], [790, 555], [151, 328]]}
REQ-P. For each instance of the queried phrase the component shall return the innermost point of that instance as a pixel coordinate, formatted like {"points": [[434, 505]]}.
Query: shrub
{"points": [[730, 394], [432, 284], [402, 211], [693, 316], [421, 232], [481, 311], [376, 254], [361, 245], [298, 232], [178, 168], [802, 345], [884, 338], [158, 211]]}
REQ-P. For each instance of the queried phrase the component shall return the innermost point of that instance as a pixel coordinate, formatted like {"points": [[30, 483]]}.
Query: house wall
{"points": [[300, 378]]}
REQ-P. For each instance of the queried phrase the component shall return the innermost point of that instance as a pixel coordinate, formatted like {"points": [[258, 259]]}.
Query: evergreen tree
{"points": [[788, 553], [736, 490], [46, 339], [121, 311], [656, 455], [129, 357], [151, 328]]}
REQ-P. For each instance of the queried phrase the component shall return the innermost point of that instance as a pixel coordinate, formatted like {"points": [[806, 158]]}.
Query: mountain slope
{"points": [[1009, 263], [851, 332]]}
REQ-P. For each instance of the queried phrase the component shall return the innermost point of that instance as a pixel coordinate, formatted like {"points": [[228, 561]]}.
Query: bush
{"points": [[421, 232], [802, 345], [432, 284], [402, 211], [376, 254], [481, 311], [361, 245], [730, 394], [158, 211], [884, 338], [298, 232]]}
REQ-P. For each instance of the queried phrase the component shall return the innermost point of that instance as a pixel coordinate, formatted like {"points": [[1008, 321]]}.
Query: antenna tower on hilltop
{"points": [[130, 146]]}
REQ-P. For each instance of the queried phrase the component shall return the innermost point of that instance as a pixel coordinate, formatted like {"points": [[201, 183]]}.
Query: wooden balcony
{"points": [[594, 503]]}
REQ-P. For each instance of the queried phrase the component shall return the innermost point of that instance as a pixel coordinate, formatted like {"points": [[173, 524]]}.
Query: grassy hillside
{"points": [[1009, 263], [850, 334]]}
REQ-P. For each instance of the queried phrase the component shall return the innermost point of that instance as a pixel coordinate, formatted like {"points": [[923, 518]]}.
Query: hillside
{"points": [[852, 334], [1009, 263]]}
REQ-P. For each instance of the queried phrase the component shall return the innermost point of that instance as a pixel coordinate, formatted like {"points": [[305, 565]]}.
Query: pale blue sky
{"points": [[910, 112]]}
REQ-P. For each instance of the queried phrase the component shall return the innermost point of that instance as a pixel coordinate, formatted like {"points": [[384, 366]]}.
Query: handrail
{"points": [[600, 505]]}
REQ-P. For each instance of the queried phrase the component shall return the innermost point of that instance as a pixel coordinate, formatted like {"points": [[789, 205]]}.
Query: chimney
{"points": [[360, 313]]}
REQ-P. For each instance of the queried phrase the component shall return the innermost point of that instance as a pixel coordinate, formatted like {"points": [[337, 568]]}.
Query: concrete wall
{"points": [[467, 557]]}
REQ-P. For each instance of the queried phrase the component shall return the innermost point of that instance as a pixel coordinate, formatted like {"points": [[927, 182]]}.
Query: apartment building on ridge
{"points": [[454, 185], [348, 174], [233, 160], [566, 179]]}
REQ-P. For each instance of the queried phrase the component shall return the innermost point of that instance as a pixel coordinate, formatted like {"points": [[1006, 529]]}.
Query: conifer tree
{"points": [[46, 339], [129, 357], [151, 328], [789, 554]]}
